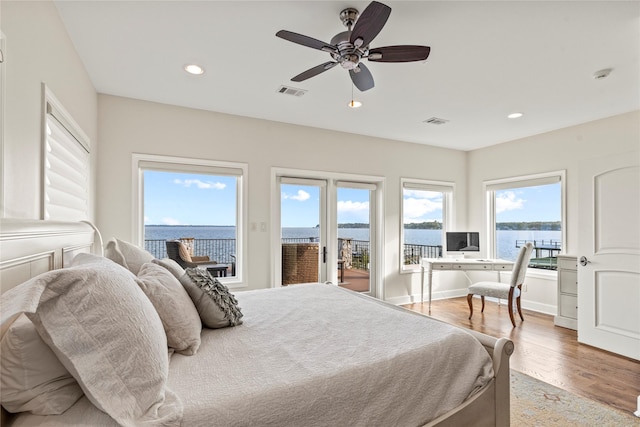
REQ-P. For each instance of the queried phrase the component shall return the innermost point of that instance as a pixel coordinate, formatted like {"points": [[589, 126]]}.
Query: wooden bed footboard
{"points": [[490, 406]]}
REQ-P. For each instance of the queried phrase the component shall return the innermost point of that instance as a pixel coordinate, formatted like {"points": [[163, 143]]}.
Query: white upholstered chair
{"points": [[509, 291]]}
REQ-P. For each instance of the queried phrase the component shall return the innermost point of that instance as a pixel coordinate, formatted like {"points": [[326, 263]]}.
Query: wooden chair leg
{"points": [[518, 303], [482, 299], [510, 303], [470, 302]]}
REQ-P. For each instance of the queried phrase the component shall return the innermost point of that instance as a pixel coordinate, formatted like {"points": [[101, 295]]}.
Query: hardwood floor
{"points": [[549, 353]]}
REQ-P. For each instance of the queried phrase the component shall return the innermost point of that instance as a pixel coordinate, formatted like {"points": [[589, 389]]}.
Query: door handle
{"points": [[584, 261], [324, 254]]}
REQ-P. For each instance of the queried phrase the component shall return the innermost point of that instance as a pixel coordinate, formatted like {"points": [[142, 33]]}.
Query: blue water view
{"points": [[506, 238]]}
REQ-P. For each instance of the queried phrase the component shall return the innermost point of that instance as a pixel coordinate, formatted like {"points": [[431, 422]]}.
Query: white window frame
{"points": [[66, 163], [490, 187], [142, 162], [448, 211]]}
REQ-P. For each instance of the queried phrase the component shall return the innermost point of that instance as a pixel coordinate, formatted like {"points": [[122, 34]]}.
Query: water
{"points": [[506, 238]]}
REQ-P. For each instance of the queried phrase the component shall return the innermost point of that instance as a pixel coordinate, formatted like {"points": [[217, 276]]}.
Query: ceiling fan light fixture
{"points": [[194, 69]]}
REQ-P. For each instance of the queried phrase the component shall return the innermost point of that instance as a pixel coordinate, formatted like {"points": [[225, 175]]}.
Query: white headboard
{"points": [[31, 247]]}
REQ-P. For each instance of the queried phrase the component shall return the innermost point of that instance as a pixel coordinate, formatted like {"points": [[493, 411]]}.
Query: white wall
{"points": [[562, 149], [38, 49], [131, 126]]}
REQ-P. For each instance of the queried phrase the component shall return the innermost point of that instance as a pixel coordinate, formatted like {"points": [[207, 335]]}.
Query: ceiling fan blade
{"points": [[305, 41], [362, 79], [405, 53], [370, 23], [311, 72]]}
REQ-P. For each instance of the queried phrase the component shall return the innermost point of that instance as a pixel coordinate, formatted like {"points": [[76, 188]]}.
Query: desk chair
{"points": [[510, 291], [177, 251]]}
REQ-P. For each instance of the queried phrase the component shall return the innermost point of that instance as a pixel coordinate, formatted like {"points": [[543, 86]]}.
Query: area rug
{"points": [[536, 403]]}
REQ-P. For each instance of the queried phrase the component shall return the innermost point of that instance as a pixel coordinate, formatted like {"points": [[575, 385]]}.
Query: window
{"points": [[197, 202], [66, 162], [426, 213], [527, 209]]}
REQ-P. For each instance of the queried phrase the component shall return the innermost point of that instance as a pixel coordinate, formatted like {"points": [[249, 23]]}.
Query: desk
{"points": [[218, 270], [453, 264]]}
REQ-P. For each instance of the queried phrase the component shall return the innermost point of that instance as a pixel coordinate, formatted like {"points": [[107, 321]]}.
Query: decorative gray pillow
{"points": [[217, 307]]}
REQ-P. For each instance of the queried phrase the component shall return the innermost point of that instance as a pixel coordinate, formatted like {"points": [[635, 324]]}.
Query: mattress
{"points": [[317, 355]]}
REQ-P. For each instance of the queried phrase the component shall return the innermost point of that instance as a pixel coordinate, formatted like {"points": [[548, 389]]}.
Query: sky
{"points": [[211, 200]]}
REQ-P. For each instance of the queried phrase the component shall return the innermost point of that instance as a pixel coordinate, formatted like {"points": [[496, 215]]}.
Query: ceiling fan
{"points": [[350, 47]]}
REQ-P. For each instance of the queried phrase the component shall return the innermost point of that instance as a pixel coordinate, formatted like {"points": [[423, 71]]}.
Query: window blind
{"points": [[441, 188], [532, 181], [66, 169]]}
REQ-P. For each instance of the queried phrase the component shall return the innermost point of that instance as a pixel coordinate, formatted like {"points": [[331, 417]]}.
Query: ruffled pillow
{"points": [[217, 307]]}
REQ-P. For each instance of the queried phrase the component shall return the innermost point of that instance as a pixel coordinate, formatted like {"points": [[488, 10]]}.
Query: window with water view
{"points": [[424, 207], [200, 210], [528, 211]]}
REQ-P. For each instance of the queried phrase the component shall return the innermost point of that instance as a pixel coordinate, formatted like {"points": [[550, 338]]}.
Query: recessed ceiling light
{"points": [[355, 104], [194, 69], [515, 115]]}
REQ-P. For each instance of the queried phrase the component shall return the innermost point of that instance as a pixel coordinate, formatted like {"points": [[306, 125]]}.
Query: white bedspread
{"points": [[318, 355]]}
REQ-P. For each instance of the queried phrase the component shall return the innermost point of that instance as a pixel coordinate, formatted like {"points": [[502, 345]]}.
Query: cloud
{"points": [[350, 206], [200, 184], [170, 221], [300, 196], [422, 194], [350, 211], [507, 201], [415, 209]]}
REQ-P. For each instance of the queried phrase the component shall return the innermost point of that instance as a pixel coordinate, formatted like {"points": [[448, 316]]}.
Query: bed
{"points": [[313, 355]]}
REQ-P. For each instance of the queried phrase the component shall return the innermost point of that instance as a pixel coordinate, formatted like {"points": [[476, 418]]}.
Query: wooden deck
{"points": [[354, 279]]}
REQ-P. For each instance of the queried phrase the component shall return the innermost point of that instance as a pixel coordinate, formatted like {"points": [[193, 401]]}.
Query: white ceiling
{"points": [[488, 59]]}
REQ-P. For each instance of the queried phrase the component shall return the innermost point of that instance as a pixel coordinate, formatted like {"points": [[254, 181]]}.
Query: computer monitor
{"points": [[458, 241]]}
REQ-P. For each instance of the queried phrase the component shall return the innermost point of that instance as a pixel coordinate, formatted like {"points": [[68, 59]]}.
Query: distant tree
{"points": [[532, 225], [433, 225]]}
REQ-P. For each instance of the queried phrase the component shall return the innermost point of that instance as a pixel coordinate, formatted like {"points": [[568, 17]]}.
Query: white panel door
{"points": [[609, 254]]}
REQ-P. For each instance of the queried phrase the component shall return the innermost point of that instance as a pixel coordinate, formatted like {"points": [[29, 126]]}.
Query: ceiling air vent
{"points": [[286, 90], [435, 121]]}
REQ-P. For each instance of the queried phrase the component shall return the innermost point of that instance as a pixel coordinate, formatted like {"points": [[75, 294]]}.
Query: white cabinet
{"points": [[567, 292]]}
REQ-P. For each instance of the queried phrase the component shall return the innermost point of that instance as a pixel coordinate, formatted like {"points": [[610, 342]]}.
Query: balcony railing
{"points": [[413, 253], [219, 250], [223, 250]]}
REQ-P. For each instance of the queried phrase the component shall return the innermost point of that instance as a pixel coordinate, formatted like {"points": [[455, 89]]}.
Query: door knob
{"points": [[584, 261]]}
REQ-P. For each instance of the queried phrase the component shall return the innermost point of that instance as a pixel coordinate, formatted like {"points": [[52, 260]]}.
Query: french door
{"points": [[327, 232], [356, 235], [303, 226]]}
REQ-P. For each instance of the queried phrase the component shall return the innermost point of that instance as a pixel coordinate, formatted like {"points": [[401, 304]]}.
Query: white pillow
{"points": [[127, 255], [217, 307], [32, 378], [178, 314], [173, 267], [106, 332]]}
